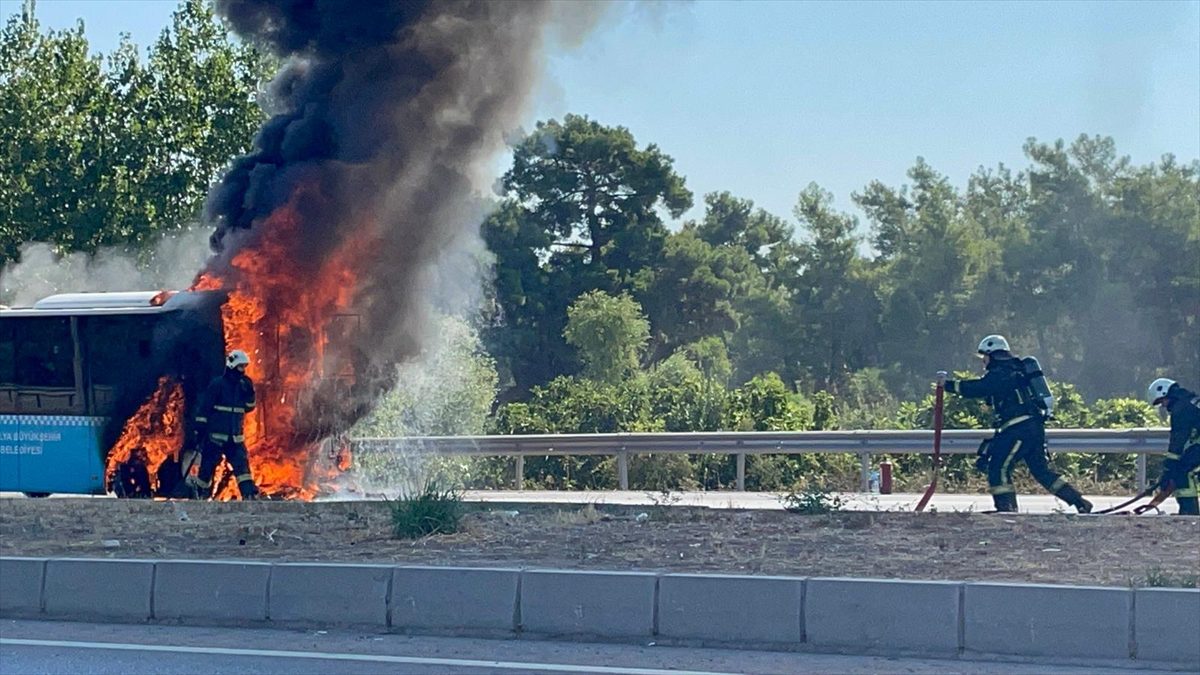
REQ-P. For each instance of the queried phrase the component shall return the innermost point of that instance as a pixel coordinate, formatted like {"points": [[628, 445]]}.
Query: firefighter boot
{"points": [[1070, 495], [248, 489], [194, 487], [1189, 506], [1005, 503]]}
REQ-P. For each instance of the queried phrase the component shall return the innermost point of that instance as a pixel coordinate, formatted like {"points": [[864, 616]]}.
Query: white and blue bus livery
{"points": [[74, 367]]}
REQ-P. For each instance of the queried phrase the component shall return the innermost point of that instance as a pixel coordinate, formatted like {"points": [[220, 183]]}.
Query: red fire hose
{"points": [[937, 442]]}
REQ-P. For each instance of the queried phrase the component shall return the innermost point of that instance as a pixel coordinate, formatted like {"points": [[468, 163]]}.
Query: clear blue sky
{"points": [[761, 98]]}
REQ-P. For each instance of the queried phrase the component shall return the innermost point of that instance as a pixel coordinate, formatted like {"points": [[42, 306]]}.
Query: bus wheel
{"points": [[37, 495]]}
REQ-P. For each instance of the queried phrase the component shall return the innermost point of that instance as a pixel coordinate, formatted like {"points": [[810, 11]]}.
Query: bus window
{"points": [[118, 353], [8, 375], [45, 353], [8, 353], [43, 366]]}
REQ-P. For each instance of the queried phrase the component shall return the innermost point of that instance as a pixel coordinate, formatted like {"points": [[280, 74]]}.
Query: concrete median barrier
{"points": [[21, 586], [211, 592], [459, 600], [1167, 625], [99, 589], [591, 604], [882, 616], [864, 616], [1047, 621], [700, 607], [329, 594]]}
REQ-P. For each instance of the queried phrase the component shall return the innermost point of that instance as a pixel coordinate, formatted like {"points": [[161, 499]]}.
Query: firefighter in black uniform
{"points": [[222, 410], [1019, 413], [1181, 465]]}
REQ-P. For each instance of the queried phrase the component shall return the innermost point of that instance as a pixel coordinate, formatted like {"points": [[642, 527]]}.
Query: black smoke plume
{"points": [[382, 116]]}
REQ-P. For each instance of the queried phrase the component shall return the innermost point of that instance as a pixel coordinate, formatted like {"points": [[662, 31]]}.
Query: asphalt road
{"points": [[96, 649]]}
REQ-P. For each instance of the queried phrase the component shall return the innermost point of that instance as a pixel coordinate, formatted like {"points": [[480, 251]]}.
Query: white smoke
{"points": [[447, 390], [170, 264]]}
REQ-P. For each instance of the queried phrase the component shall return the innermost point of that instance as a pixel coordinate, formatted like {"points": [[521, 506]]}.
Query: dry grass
{"points": [[587, 515]]}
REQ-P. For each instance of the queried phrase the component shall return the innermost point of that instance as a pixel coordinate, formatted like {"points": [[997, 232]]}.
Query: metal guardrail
{"points": [[862, 443]]}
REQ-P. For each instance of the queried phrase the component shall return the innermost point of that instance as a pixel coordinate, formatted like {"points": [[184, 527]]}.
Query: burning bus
{"points": [[96, 391], [326, 236]]}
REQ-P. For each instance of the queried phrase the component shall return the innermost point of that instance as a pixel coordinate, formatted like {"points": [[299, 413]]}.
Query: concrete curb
{"points": [[329, 594], [1049, 621], [607, 605], [883, 616], [457, 600], [1071, 624], [217, 592]]}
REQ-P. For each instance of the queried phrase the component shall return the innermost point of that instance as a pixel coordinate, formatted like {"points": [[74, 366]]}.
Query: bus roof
{"points": [[77, 304]]}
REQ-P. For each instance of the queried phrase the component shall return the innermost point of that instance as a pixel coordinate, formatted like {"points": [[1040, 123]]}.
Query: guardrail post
{"points": [[519, 473], [864, 479], [1141, 470], [741, 472], [623, 469]]}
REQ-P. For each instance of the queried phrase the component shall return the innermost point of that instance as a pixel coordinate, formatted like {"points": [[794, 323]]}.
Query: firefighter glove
{"points": [[1139, 510], [981, 459]]}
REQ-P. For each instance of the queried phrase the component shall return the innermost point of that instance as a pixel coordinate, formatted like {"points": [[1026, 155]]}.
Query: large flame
{"points": [[280, 313], [157, 428]]}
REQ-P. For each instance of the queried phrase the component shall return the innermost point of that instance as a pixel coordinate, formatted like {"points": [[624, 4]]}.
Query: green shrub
{"points": [[661, 472], [812, 501], [1157, 578], [432, 511], [769, 472], [715, 471]]}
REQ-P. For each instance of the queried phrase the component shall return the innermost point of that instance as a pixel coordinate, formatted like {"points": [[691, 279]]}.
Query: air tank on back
{"points": [[1037, 382]]}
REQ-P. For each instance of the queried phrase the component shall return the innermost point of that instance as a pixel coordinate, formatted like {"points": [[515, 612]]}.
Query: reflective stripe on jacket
{"points": [[223, 409]]}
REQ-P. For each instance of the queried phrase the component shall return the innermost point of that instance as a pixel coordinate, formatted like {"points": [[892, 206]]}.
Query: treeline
{"points": [[1082, 258], [689, 391], [119, 149]]}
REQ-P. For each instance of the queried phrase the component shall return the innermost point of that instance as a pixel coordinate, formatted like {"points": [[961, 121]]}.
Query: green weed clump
{"points": [[1157, 578], [432, 511], [812, 501]]}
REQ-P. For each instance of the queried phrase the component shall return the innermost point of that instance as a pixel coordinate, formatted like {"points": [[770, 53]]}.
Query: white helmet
{"points": [[1158, 389], [993, 343], [237, 358]]}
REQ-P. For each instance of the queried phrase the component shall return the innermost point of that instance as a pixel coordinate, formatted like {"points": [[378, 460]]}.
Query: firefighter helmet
{"points": [[1158, 390], [237, 358], [993, 343]]}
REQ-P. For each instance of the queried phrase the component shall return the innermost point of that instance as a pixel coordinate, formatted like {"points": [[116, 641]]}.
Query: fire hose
{"points": [[1144, 493], [937, 441], [1159, 498]]}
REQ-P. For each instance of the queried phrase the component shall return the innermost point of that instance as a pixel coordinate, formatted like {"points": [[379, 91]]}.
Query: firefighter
{"points": [[1020, 401], [222, 410], [1181, 464]]}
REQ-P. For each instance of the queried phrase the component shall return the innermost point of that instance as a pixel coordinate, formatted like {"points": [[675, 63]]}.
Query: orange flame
{"points": [[157, 427], [279, 311]]}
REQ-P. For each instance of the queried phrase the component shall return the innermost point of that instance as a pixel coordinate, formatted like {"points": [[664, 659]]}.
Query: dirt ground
{"points": [[1105, 550]]}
